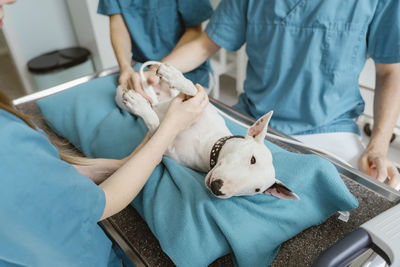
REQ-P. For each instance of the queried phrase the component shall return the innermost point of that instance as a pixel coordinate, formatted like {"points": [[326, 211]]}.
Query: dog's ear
{"points": [[259, 129], [279, 189]]}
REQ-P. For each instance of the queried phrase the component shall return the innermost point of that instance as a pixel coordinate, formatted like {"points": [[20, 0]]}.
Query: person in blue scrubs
{"points": [[49, 201], [143, 30], [304, 60]]}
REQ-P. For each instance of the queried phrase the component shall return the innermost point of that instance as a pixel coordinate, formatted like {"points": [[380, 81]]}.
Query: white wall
{"points": [[35, 27], [93, 32]]}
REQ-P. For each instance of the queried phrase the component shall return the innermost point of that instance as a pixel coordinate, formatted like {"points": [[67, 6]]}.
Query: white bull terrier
{"points": [[236, 165]]}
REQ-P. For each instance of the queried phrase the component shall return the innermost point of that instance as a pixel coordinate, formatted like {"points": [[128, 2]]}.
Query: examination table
{"points": [[130, 232]]}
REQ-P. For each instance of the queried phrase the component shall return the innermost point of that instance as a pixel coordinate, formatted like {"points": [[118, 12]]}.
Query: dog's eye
{"points": [[257, 189], [253, 160]]}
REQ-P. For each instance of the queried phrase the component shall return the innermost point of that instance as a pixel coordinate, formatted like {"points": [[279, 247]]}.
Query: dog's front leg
{"points": [[175, 79], [119, 96], [136, 104]]}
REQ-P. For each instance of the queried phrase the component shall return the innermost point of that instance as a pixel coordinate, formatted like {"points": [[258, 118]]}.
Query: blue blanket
{"points": [[193, 227]]}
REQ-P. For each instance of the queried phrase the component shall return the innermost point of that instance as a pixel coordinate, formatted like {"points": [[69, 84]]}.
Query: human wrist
{"points": [[169, 127], [378, 145], [125, 66]]}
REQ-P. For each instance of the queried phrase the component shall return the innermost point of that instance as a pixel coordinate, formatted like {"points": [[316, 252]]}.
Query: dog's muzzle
{"points": [[216, 186]]}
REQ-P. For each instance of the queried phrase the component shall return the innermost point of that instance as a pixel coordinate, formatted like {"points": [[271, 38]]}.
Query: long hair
{"points": [[6, 104]]}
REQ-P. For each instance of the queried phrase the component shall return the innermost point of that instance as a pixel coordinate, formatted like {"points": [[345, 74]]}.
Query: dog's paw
{"points": [[119, 96], [138, 105], [135, 103], [175, 79]]}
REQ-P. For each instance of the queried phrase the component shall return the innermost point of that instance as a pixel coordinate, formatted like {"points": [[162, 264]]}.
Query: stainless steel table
{"points": [[129, 231]]}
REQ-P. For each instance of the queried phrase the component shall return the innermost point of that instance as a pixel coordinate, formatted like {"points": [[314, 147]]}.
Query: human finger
{"points": [[381, 169], [204, 99], [200, 89], [137, 86], [123, 80], [199, 97], [363, 164], [203, 92], [131, 83], [394, 177], [179, 98], [152, 79]]}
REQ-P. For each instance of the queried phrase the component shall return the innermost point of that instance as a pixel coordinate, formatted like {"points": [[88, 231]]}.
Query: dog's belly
{"points": [[192, 147]]}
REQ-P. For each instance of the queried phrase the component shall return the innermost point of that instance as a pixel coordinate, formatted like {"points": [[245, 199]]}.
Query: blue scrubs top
{"points": [[48, 211], [305, 56], [156, 26]]}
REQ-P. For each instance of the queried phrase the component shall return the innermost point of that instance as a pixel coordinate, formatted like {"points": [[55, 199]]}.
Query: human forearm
{"points": [[190, 34], [192, 54], [121, 41], [374, 161], [99, 169], [123, 186], [386, 105]]}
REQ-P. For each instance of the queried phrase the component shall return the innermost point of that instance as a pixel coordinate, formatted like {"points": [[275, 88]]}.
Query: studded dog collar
{"points": [[217, 148]]}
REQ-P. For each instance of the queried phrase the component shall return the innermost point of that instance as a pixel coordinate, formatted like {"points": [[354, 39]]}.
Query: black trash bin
{"points": [[60, 66]]}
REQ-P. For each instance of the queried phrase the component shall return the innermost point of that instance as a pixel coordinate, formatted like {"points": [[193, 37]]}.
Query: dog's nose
{"points": [[216, 186]]}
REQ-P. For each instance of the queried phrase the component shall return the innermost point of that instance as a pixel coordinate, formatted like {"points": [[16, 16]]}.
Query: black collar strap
{"points": [[217, 148]]}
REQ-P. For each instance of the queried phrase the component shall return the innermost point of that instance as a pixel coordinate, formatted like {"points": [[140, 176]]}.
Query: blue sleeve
{"points": [[51, 210], [108, 7], [227, 27], [194, 12], [384, 33]]}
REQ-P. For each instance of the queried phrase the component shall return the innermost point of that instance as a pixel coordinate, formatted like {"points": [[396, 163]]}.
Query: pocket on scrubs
{"points": [[340, 47], [342, 32], [275, 12]]}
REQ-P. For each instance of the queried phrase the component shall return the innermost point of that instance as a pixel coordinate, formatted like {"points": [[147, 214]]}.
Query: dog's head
{"points": [[244, 167]]}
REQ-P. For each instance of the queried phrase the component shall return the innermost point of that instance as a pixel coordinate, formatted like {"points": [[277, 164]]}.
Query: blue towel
{"points": [[193, 227]]}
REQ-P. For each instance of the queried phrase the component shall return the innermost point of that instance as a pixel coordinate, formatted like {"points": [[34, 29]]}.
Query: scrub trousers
{"points": [[346, 146]]}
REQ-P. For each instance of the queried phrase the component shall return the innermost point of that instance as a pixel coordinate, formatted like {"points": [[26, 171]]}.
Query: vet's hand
{"points": [[183, 111], [376, 164], [131, 80]]}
